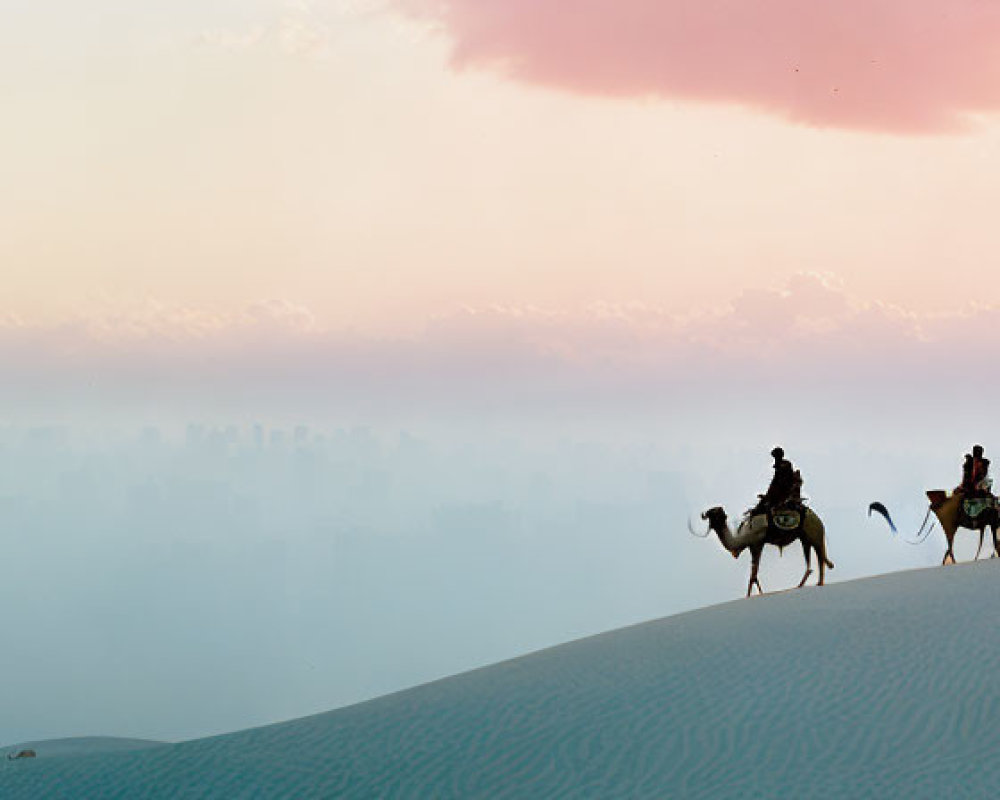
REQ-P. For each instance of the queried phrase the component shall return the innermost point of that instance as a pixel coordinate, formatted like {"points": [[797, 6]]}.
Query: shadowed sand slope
{"points": [[874, 688]]}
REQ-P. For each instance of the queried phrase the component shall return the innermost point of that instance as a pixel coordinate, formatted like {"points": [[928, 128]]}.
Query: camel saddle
{"points": [[972, 507], [787, 518]]}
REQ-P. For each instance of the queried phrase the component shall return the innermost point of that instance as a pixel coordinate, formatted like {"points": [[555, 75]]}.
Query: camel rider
{"points": [[975, 471], [786, 485], [965, 487], [980, 471]]}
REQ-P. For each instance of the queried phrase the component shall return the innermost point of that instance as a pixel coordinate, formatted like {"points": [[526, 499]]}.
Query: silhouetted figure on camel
{"points": [[785, 488], [971, 505], [779, 518], [975, 474]]}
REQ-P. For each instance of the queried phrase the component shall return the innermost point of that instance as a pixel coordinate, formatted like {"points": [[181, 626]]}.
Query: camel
{"points": [[758, 530], [949, 512]]}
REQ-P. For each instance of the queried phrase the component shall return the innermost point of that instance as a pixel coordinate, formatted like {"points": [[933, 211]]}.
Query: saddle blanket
{"points": [[972, 507], [786, 519], [752, 530]]}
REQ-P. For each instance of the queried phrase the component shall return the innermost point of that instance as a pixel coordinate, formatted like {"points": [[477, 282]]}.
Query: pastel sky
{"points": [[633, 172]]}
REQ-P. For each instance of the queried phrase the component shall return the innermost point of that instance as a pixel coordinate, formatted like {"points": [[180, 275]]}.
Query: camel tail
{"points": [[881, 509]]}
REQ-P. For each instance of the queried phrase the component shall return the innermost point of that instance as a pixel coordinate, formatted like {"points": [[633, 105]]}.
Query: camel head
{"points": [[716, 518], [718, 522]]}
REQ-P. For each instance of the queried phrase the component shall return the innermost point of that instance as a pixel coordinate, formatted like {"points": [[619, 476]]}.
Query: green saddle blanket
{"points": [[786, 519], [972, 507]]}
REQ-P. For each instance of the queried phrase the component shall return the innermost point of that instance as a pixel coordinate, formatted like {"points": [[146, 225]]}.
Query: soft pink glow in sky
{"points": [[811, 327], [893, 65], [190, 161], [807, 359]]}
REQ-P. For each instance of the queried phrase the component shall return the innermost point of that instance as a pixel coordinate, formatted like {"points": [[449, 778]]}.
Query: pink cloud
{"points": [[892, 65]]}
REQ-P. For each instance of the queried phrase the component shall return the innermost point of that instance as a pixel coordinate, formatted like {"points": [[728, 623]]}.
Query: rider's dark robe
{"points": [[974, 472], [784, 485], [980, 469]]}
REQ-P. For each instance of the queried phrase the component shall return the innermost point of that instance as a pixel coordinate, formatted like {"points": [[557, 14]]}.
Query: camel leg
{"points": [[824, 561], [996, 543], [982, 532], [807, 552], [754, 566], [948, 553]]}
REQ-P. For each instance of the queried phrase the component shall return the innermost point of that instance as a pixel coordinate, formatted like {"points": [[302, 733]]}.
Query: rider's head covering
{"points": [[977, 450], [778, 453]]}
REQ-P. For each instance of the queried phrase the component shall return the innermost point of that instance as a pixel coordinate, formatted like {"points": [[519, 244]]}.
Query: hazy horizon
{"points": [[188, 579]]}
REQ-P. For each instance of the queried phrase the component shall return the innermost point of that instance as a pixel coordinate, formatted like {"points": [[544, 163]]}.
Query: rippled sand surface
{"points": [[884, 687]]}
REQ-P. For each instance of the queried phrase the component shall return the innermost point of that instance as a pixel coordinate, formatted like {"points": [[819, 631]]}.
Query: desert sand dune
{"points": [[873, 688]]}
